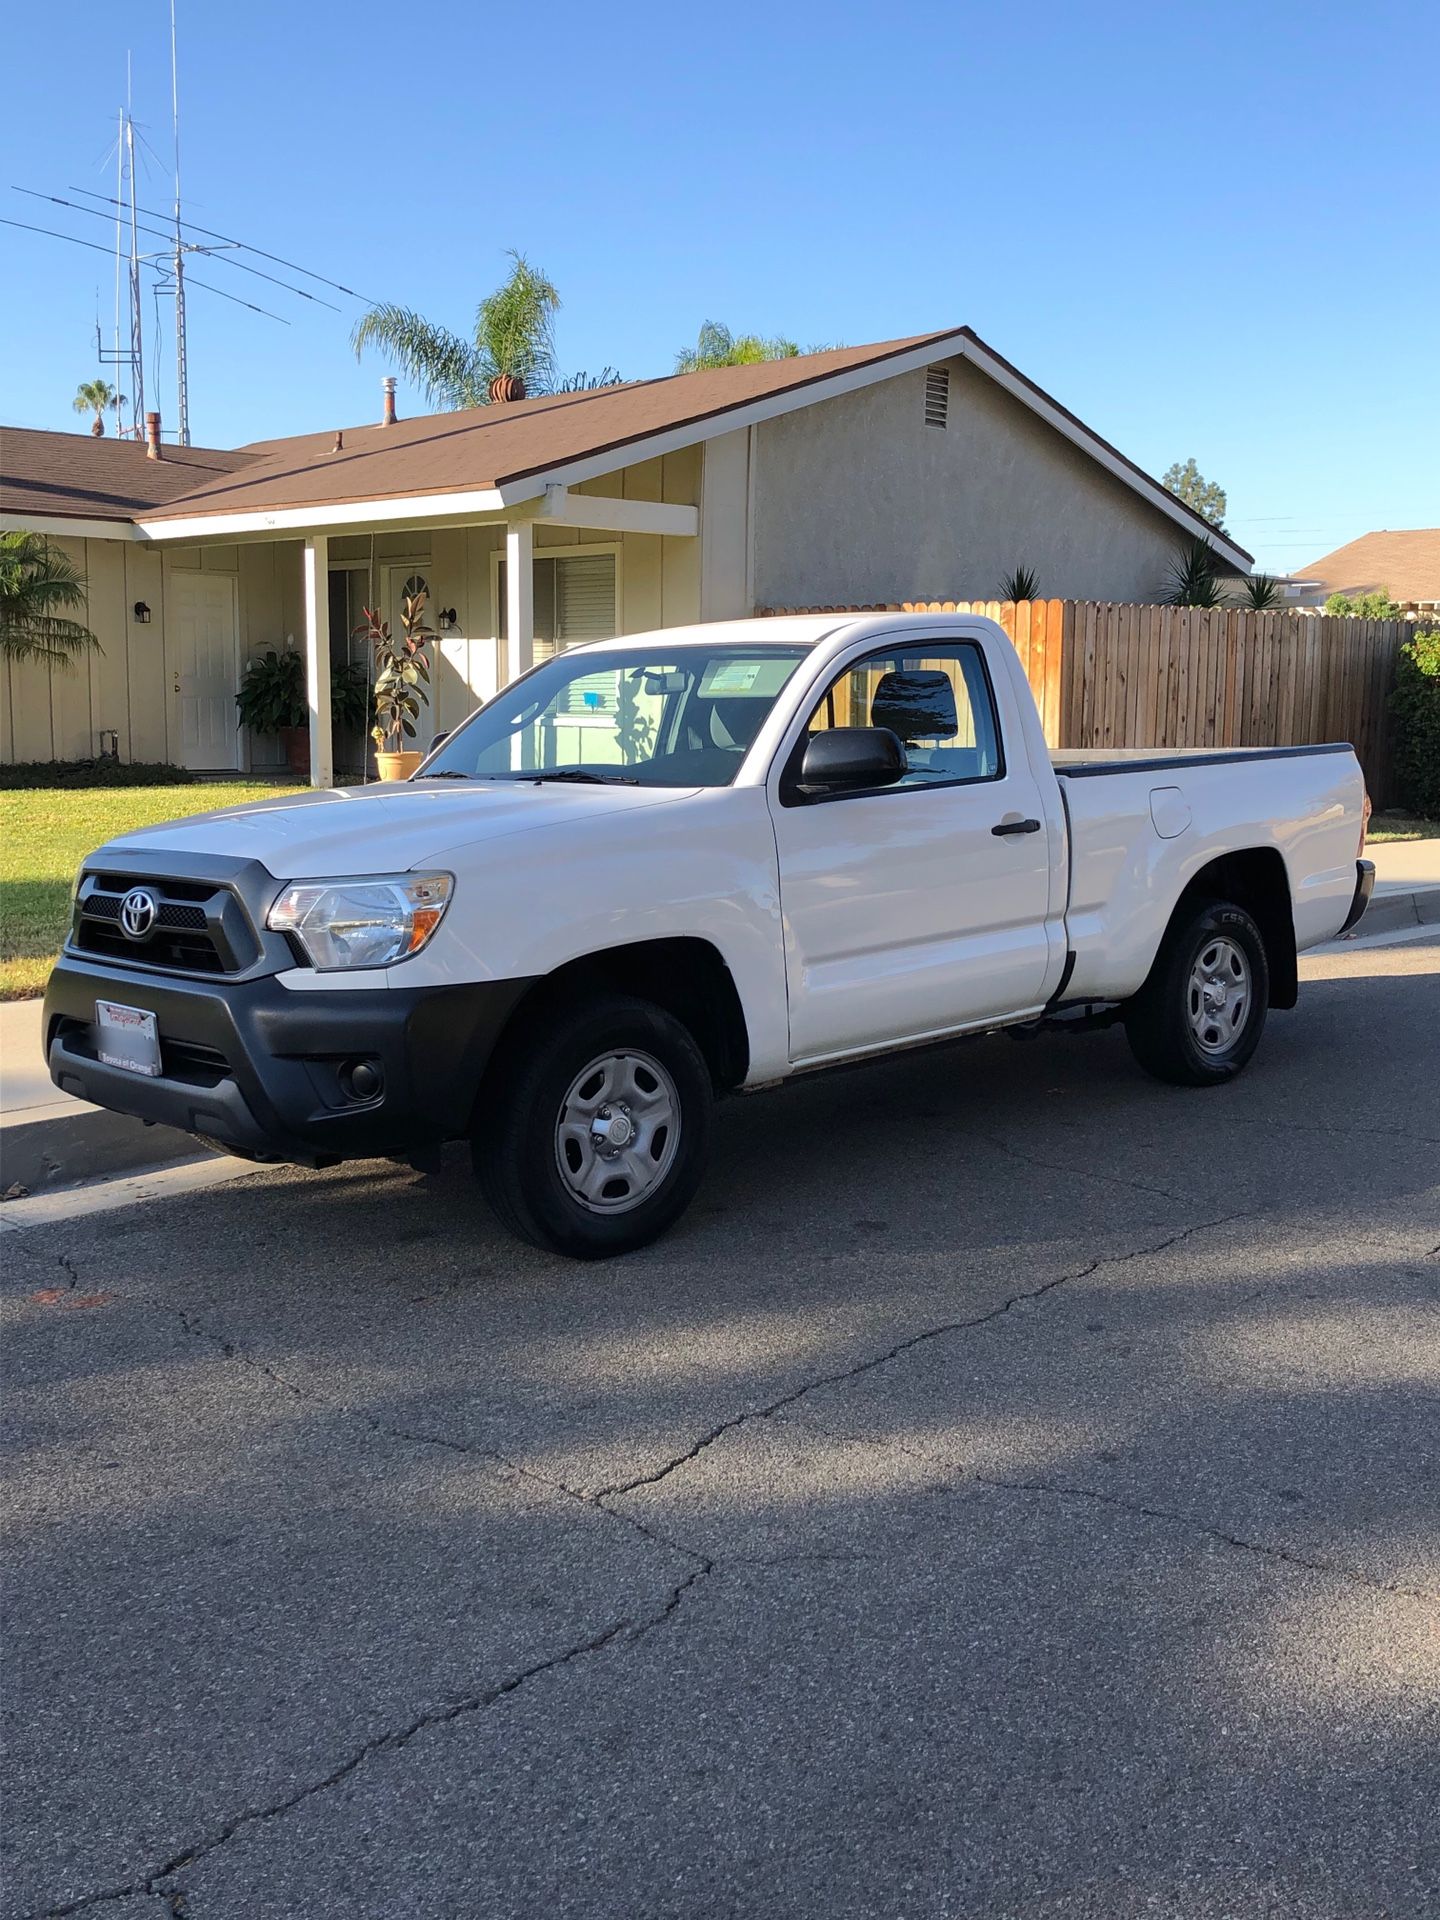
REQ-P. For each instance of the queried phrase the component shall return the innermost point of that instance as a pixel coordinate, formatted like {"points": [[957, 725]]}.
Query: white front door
{"points": [[201, 637]]}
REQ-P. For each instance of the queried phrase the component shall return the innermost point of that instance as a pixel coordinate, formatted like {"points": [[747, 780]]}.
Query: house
{"points": [[858, 475], [1404, 564]]}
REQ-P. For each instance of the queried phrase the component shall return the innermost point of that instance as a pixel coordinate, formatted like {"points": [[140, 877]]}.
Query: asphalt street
{"points": [[1011, 1492]]}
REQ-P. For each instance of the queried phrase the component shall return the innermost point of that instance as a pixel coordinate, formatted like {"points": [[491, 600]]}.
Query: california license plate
{"points": [[127, 1037]]}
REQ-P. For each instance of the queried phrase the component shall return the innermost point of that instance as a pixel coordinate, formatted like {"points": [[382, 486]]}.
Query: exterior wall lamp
{"points": [[446, 618], [142, 613]]}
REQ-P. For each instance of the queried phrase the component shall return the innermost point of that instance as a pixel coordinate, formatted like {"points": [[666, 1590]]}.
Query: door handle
{"points": [[1016, 826]]}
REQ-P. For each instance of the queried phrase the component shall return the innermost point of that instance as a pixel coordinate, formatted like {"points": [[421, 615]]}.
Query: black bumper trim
{"points": [[272, 1087], [1364, 887]]}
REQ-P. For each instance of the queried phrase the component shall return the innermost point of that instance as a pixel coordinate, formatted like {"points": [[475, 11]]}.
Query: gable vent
{"points": [[937, 396]]}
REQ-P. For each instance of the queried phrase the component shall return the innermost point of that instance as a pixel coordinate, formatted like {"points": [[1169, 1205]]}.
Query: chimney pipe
{"points": [[387, 417], [152, 436]]}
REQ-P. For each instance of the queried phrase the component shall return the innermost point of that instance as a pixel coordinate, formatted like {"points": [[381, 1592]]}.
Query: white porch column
{"points": [[519, 597], [317, 659]]}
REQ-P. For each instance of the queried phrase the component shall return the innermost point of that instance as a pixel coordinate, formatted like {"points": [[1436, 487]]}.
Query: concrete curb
{"points": [[1388, 912], [56, 1146]]}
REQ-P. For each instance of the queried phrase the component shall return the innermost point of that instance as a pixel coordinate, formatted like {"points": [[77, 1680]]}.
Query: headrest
{"points": [[916, 705], [734, 722]]}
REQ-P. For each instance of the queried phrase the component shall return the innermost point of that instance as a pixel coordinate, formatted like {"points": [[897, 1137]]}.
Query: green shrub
{"points": [[1415, 703], [1369, 606], [93, 773]]}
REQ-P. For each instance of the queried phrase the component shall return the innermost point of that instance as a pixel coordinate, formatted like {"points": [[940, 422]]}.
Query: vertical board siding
{"points": [[1147, 676]]}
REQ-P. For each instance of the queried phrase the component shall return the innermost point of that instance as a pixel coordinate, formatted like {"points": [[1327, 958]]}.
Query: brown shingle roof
{"points": [[1406, 565], [486, 447], [77, 476]]}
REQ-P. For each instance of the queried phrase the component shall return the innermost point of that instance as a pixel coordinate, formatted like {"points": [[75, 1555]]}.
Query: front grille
{"points": [[199, 927], [181, 953], [106, 906]]}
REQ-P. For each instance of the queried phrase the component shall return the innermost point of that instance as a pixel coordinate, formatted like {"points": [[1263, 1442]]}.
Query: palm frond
{"points": [[1194, 578], [38, 582], [1021, 583], [717, 346], [1260, 591], [447, 369], [515, 328]]}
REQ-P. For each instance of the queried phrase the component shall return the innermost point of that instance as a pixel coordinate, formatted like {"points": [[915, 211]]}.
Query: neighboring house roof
{"points": [[485, 459], [1406, 565], [82, 476]]}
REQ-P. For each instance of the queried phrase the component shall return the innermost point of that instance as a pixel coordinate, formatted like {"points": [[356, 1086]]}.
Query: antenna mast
{"points": [[182, 372]]}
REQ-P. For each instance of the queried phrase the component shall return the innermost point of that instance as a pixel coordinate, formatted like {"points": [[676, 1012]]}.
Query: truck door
{"points": [[905, 911]]}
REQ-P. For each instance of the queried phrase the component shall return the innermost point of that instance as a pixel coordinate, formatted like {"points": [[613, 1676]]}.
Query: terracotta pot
{"points": [[296, 742], [398, 766], [505, 387]]}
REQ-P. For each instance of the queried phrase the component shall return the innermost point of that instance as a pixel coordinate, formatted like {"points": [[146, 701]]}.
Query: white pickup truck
{"points": [[677, 865]]}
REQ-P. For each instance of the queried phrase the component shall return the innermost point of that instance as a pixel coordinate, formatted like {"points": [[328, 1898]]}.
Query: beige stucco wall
{"points": [[857, 500], [51, 713]]}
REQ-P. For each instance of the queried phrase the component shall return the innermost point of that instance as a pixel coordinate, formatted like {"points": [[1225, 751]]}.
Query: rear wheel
{"points": [[1199, 1016], [594, 1140]]}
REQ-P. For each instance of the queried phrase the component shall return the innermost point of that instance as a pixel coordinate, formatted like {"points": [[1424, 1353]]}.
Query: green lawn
{"points": [[1402, 826], [44, 835]]}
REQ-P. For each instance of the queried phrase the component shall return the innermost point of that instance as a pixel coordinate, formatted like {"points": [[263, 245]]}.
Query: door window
{"points": [[936, 698]]}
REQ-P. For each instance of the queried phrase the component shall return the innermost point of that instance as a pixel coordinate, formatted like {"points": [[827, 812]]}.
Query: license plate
{"points": [[127, 1037]]}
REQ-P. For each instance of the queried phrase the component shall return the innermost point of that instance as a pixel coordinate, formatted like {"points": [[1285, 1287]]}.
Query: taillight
{"points": [[1365, 812]]}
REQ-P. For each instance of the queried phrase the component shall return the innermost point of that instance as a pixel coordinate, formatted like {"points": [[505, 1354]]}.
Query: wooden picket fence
{"points": [[1141, 676]]}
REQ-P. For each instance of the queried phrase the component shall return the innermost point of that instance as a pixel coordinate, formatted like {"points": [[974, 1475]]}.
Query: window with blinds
{"points": [[574, 601]]}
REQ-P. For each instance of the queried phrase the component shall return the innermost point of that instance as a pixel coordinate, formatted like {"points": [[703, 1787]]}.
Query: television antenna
{"points": [[167, 263]]}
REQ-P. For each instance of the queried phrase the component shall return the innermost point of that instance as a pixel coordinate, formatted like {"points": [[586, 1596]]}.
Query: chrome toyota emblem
{"points": [[137, 913]]}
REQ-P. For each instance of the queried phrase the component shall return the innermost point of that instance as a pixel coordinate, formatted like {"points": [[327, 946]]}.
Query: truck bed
{"points": [[1082, 763]]}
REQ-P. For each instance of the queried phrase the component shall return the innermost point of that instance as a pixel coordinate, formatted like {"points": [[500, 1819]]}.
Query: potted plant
{"points": [[402, 680], [272, 700]]}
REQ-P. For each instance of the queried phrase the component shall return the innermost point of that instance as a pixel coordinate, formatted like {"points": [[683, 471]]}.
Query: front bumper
{"points": [[1364, 887], [268, 1073]]}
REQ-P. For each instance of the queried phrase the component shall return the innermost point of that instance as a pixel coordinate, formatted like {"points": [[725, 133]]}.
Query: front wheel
{"points": [[595, 1139], [1199, 1016]]}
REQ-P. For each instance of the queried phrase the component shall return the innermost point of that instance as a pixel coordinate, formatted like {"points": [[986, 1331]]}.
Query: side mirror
{"points": [[441, 738], [850, 759]]}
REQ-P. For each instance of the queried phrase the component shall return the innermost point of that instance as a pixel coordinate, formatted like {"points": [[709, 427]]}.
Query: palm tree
{"points": [[514, 339], [37, 582], [94, 396], [718, 347]]}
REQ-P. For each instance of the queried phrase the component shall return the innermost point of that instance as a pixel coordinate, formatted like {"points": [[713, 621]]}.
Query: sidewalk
{"points": [[1401, 865], [48, 1139]]}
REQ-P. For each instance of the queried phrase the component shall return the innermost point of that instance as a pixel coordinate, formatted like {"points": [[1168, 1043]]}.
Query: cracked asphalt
{"points": [[1011, 1492]]}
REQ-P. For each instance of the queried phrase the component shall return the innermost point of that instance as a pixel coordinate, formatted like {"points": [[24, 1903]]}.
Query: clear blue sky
{"points": [[1210, 231]]}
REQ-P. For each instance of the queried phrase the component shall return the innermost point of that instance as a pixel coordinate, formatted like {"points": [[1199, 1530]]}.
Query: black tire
{"points": [[516, 1148], [1172, 1028]]}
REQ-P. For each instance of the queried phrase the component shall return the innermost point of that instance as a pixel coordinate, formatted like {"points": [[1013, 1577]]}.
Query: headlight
{"points": [[371, 922]]}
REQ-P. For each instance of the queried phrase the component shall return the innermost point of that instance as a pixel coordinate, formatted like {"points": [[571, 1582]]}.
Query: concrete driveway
{"points": [[1012, 1492]]}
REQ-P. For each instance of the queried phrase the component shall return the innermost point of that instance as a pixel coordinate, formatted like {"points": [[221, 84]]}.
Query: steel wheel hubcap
{"points": [[1219, 995], [618, 1131]]}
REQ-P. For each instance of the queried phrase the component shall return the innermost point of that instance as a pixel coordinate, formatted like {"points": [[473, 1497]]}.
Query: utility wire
{"points": [[211, 253], [230, 240], [53, 233]]}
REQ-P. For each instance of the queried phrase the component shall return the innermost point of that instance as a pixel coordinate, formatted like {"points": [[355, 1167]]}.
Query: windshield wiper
{"points": [[451, 773], [577, 773]]}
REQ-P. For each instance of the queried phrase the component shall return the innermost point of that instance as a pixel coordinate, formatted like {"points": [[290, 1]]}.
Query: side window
{"points": [[936, 698]]}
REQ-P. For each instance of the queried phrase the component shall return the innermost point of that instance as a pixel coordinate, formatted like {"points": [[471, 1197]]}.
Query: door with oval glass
{"points": [[408, 577]]}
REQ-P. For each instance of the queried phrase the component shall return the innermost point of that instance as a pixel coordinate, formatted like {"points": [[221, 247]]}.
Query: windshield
{"points": [[645, 716]]}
